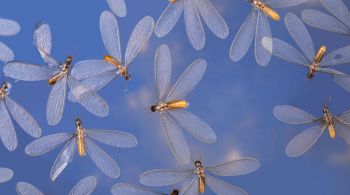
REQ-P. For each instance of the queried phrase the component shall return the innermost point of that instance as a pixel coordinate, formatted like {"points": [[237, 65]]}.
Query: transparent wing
{"points": [[47, 143], [176, 139], [7, 131], [102, 160], [118, 7], [331, 71], [23, 118], [5, 174], [300, 35], [85, 186], [92, 102], [27, 72], [338, 56], [292, 115], [138, 38], [344, 117], [338, 9], [112, 138], [191, 186], [220, 187], [124, 188], [8, 27], [304, 141], [162, 70], [343, 81], [234, 168], [63, 159], [323, 21], [243, 40], [110, 34], [263, 29], [188, 80], [6, 53], [212, 18], [284, 3], [342, 128], [193, 24], [24, 188], [56, 102], [164, 177], [194, 125], [89, 68], [284, 51], [169, 18]]}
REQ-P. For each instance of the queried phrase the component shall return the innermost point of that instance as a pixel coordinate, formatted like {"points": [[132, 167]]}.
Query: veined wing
{"points": [[85, 186], [338, 56], [284, 51], [124, 188], [300, 35], [162, 70], [23, 118], [244, 37], [101, 159], [112, 138], [164, 177], [63, 159], [47, 143], [176, 139], [220, 187], [284, 3], [190, 186], [8, 27], [304, 141], [188, 80], [193, 24], [323, 21], [342, 128], [169, 18], [138, 38], [263, 29], [110, 34], [331, 71], [212, 18], [89, 68], [7, 131], [338, 9], [5, 174], [344, 117], [293, 115], [56, 102], [27, 72], [24, 188], [234, 168], [6, 53], [194, 125], [118, 7], [343, 81]]}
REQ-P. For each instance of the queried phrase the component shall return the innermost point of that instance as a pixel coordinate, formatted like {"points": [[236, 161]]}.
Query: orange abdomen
{"points": [[271, 13], [177, 104]]}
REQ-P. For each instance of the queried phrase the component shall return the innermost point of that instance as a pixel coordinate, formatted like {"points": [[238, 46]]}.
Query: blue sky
{"points": [[236, 99]]}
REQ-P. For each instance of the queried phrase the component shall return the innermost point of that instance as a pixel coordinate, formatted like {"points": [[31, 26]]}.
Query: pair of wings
{"points": [[189, 180], [306, 139], [172, 121], [193, 11], [95, 74], [6, 174], [302, 37], [118, 7], [340, 23], [256, 26], [7, 28], [101, 159], [84, 187], [8, 108]]}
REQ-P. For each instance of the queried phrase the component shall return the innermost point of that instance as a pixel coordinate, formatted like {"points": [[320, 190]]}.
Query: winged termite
{"points": [[313, 67], [256, 26], [171, 104], [338, 22], [11, 109], [6, 174], [195, 180], [58, 75], [306, 139], [82, 140], [84, 187], [194, 12], [130, 189]]}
